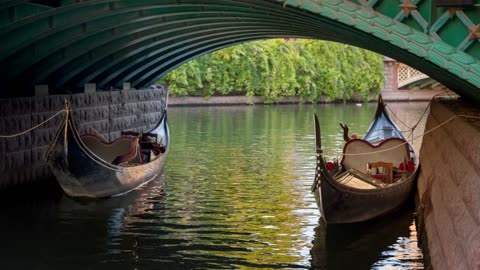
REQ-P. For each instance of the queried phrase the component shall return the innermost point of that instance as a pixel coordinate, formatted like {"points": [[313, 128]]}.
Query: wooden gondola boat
{"points": [[375, 176], [87, 166]]}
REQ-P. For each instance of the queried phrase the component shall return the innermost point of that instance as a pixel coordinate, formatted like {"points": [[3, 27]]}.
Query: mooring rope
{"points": [[410, 141], [412, 129], [30, 129], [469, 116], [421, 135], [398, 118]]}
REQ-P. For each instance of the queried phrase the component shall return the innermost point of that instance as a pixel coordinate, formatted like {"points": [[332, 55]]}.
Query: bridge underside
{"points": [[67, 43]]}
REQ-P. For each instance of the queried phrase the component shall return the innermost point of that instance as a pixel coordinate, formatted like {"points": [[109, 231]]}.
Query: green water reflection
{"points": [[235, 194], [250, 170]]}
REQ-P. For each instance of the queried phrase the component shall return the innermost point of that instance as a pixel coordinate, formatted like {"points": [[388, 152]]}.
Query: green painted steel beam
{"points": [[146, 45], [34, 52], [67, 43], [151, 67], [154, 73], [61, 19], [145, 68], [41, 45], [316, 31], [448, 64], [157, 52], [329, 32], [160, 43], [127, 63], [259, 20], [130, 42]]}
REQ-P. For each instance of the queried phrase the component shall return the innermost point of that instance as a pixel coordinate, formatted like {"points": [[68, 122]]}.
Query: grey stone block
{"points": [[79, 101], [101, 98], [5, 107], [3, 129], [38, 155], [42, 137], [40, 104], [41, 90], [57, 102], [115, 97], [18, 143], [21, 106], [90, 88], [17, 123], [3, 147]]}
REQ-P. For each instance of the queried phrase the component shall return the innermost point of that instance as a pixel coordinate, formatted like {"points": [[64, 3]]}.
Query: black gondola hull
{"points": [[83, 174], [340, 203], [343, 205]]}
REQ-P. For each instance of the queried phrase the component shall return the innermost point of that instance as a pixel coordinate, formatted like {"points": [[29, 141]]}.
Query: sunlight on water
{"points": [[399, 255], [235, 194]]}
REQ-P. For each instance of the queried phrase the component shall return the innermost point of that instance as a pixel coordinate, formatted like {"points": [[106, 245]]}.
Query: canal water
{"points": [[235, 194]]}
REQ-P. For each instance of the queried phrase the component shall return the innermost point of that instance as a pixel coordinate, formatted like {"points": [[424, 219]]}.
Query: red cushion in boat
{"points": [[330, 166], [410, 166]]}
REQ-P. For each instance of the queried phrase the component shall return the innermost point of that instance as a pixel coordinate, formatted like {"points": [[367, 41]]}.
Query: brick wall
{"points": [[390, 68], [22, 157]]}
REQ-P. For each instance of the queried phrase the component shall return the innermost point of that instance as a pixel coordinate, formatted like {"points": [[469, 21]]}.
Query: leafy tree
{"points": [[277, 68]]}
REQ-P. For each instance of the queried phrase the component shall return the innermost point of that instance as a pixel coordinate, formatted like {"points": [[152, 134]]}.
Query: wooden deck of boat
{"points": [[356, 179]]}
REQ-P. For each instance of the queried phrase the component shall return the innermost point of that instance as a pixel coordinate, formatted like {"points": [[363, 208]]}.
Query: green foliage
{"points": [[273, 69]]}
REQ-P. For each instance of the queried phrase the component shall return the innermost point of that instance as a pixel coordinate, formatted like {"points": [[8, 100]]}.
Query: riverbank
{"points": [[390, 96]]}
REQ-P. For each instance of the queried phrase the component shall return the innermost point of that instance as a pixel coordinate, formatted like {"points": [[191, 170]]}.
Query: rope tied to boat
{"points": [[411, 141], [32, 128], [412, 128]]}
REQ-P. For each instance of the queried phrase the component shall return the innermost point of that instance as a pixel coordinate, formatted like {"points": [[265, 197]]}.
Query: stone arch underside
{"points": [[67, 43]]}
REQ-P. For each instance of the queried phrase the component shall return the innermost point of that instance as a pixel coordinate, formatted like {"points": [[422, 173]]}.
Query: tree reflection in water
{"points": [[235, 194]]}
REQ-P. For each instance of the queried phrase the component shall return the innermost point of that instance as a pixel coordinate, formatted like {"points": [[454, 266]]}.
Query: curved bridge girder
{"points": [[67, 43]]}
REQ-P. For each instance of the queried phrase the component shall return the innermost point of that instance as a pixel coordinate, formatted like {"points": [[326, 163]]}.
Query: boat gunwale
{"points": [[96, 158], [381, 190], [71, 138]]}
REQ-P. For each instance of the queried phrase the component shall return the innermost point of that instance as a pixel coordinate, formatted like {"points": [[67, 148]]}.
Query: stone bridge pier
{"points": [[448, 201]]}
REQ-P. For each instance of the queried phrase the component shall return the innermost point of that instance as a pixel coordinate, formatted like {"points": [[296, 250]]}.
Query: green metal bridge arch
{"points": [[67, 43]]}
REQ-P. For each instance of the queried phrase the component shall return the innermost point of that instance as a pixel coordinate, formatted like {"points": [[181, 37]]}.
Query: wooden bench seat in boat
{"points": [[357, 179], [381, 170]]}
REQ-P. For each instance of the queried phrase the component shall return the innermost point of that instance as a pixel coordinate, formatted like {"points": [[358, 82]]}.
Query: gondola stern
{"points": [[162, 129]]}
